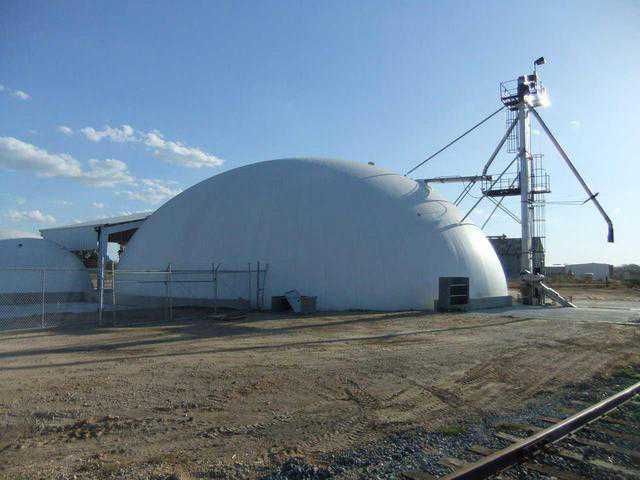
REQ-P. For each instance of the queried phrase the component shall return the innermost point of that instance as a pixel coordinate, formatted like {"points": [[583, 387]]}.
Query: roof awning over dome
{"points": [[84, 236]]}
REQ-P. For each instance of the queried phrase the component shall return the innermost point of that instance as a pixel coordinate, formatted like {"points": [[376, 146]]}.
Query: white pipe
{"points": [[577, 174], [497, 150], [525, 180]]}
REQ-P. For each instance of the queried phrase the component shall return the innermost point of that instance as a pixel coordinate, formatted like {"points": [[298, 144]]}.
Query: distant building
{"points": [[596, 271], [631, 275], [629, 271], [508, 250], [555, 270]]}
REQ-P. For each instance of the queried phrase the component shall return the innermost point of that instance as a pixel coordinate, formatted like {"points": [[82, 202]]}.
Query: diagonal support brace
{"points": [[586, 188]]}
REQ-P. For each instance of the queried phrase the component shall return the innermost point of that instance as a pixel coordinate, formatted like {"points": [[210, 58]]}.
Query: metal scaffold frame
{"points": [[520, 98]]}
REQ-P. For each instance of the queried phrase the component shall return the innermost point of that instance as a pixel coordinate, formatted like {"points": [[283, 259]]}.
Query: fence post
{"points": [[214, 274], [113, 292], [103, 243], [44, 280], [264, 284], [168, 291], [166, 295], [250, 284], [258, 286]]}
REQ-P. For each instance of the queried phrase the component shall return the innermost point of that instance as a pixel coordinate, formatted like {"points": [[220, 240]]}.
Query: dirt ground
{"points": [[614, 293], [202, 398]]}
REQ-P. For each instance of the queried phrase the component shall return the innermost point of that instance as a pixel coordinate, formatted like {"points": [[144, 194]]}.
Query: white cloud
{"points": [[10, 233], [65, 130], [179, 154], [34, 215], [153, 191], [97, 205], [18, 155], [119, 135], [106, 173], [63, 203], [575, 124], [174, 152], [21, 95]]}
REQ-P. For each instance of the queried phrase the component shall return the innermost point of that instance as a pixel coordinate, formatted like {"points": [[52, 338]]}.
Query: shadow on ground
{"points": [[194, 328]]}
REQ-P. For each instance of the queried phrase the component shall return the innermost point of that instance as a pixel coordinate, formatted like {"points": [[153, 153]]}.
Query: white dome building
{"points": [[353, 235], [22, 261]]}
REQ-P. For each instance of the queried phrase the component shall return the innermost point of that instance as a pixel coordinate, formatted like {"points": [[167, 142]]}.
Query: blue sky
{"points": [[156, 96]]}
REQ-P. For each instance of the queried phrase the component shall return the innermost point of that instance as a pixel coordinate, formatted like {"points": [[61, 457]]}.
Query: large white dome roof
{"points": [[354, 235]]}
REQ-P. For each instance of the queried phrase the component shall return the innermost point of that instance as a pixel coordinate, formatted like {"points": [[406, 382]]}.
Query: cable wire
{"points": [[490, 187], [455, 140]]}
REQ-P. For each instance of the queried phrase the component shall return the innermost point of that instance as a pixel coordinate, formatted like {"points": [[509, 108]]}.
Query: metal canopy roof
{"points": [[84, 236], [102, 222]]}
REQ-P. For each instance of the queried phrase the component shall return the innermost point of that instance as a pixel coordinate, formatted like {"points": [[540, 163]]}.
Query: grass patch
{"points": [[162, 458], [99, 468], [513, 427], [108, 468], [179, 473], [452, 430], [630, 371], [634, 415]]}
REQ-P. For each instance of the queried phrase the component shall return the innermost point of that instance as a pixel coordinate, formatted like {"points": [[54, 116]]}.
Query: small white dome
{"points": [[22, 261]]}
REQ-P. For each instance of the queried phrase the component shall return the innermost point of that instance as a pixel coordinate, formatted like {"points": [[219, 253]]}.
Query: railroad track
{"points": [[569, 449]]}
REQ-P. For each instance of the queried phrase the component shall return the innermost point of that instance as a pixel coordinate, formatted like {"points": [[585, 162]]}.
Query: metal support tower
{"points": [[529, 282], [531, 182], [526, 200], [520, 96], [521, 99]]}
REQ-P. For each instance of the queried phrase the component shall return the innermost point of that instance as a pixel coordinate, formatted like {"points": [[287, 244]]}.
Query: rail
{"points": [[527, 447]]}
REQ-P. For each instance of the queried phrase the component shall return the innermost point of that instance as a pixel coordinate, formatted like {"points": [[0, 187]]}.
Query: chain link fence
{"points": [[39, 298], [32, 298]]}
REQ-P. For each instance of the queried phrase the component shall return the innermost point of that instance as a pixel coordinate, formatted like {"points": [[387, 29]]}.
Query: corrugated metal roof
{"points": [[101, 222], [83, 236]]}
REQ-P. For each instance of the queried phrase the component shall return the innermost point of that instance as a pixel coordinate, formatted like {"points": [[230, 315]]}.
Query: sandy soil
{"points": [[613, 293], [201, 398]]}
